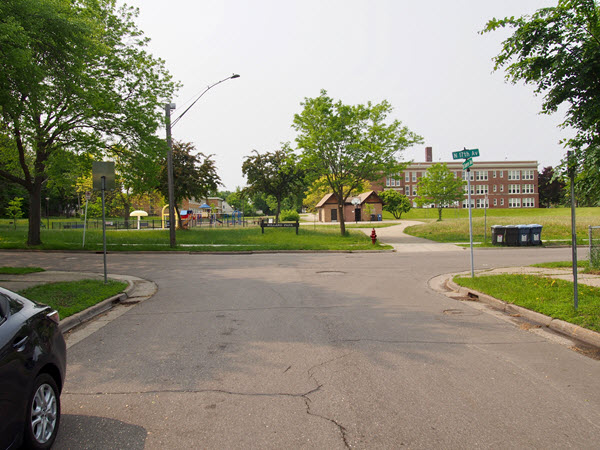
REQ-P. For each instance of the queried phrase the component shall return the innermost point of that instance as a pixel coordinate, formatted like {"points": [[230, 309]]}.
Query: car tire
{"points": [[42, 416]]}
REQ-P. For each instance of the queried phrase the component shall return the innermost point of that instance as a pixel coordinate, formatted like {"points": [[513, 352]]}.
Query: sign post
{"points": [[467, 155], [103, 178], [88, 195]]}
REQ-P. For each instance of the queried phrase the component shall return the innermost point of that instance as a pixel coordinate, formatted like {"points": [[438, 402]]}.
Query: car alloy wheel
{"points": [[43, 413]]}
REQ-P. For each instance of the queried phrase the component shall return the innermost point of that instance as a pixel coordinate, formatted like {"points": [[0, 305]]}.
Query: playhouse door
{"points": [[357, 215], [334, 215]]}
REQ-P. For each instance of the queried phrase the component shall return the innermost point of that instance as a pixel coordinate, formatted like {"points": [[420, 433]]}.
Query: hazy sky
{"points": [[426, 58]]}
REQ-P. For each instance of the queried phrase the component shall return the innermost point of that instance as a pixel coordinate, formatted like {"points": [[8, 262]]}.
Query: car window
{"points": [[4, 308], [14, 304]]}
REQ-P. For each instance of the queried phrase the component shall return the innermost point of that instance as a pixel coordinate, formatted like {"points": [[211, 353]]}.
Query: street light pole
{"points": [[168, 108], [171, 187]]}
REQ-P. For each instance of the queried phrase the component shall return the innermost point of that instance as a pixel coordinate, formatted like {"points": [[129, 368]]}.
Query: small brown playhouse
{"points": [[363, 207]]}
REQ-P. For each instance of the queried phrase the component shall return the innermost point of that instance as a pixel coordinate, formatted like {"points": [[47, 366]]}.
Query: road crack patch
{"points": [[307, 400]]}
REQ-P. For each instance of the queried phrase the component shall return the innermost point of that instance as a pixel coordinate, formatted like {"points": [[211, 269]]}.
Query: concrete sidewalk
{"points": [[403, 242], [137, 290], [445, 285]]}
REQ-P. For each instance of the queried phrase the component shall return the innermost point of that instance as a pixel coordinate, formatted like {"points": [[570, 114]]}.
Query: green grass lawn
{"points": [[547, 296], [454, 227], [581, 264], [19, 270], [205, 239], [71, 297]]}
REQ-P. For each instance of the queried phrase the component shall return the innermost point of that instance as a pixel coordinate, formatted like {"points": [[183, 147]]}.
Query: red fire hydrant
{"points": [[373, 236]]}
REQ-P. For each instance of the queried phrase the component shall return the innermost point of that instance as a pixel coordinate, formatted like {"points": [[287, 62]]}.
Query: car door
{"points": [[13, 377]]}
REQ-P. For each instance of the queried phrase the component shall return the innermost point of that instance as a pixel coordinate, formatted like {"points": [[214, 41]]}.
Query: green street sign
{"points": [[468, 163], [465, 153]]}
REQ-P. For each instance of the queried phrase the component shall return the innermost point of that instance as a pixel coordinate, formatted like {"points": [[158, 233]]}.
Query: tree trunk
{"points": [[278, 210], [35, 213], [180, 227], [126, 209], [439, 214], [341, 218]]}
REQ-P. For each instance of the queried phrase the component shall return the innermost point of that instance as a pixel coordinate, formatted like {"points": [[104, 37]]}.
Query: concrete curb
{"points": [[574, 331], [100, 308]]}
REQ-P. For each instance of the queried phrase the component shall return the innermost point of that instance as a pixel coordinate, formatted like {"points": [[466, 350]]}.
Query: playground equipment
{"points": [[139, 214], [165, 218]]}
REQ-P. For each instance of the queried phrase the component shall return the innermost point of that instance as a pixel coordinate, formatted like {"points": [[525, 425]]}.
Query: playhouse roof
{"points": [[362, 197]]}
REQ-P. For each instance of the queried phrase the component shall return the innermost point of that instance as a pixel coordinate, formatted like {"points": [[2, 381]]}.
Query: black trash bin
{"points": [[511, 235], [497, 235], [373, 217], [523, 235], [535, 234]]}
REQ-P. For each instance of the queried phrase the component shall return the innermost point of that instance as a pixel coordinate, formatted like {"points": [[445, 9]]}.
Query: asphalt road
{"points": [[318, 351]]}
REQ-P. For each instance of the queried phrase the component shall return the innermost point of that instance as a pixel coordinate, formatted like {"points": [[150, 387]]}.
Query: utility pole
{"points": [[172, 240], [168, 108]]}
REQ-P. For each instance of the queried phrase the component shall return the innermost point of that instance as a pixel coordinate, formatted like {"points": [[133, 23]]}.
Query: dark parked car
{"points": [[33, 359]]}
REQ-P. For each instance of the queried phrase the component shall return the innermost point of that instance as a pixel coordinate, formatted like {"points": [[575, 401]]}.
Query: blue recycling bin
{"points": [[524, 234], [498, 235], [535, 234], [379, 218], [511, 235]]}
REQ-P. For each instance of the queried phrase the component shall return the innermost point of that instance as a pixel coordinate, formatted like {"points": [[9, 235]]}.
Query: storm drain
{"points": [[331, 272], [453, 312]]}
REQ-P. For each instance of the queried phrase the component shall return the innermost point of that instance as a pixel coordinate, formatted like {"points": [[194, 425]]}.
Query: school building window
{"points": [[528, 174], [481, 175], [528, 203], [514, 188], [514, 174], [482, 189]]}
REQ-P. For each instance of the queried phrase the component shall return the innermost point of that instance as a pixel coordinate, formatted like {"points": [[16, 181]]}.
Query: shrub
{"points": [[289, 215]]}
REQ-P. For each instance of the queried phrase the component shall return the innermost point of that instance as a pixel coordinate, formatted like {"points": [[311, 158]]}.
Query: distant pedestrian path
{"points": [[402, 242]]}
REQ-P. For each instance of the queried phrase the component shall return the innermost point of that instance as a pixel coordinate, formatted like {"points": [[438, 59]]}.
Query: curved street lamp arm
{"points": [[200, 96]]}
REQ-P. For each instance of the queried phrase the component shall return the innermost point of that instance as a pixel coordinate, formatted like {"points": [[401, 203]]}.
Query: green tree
{"points": [[15, 210], [440, 186], [260, 203], [239, 201], [395, 203], [550, 187], [277, 174], [557, 50], [194, 175], [348, 145], [75, 76]]}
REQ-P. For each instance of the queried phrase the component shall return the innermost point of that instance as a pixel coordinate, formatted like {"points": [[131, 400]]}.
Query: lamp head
{"points": [[235, 75]]}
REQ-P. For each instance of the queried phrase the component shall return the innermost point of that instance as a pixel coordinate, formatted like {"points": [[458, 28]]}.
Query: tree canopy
{"points": [[441, 187], [557, 50], [76, 77], [277, 174], [550, 187], [395, 203], [194, 174], [349, 144]]}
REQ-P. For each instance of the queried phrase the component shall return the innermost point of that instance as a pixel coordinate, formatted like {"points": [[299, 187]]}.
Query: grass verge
{"points": [[199, 240], [556, 224], [19, 270], [71, 297], [547, 296], [581, 264]]}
